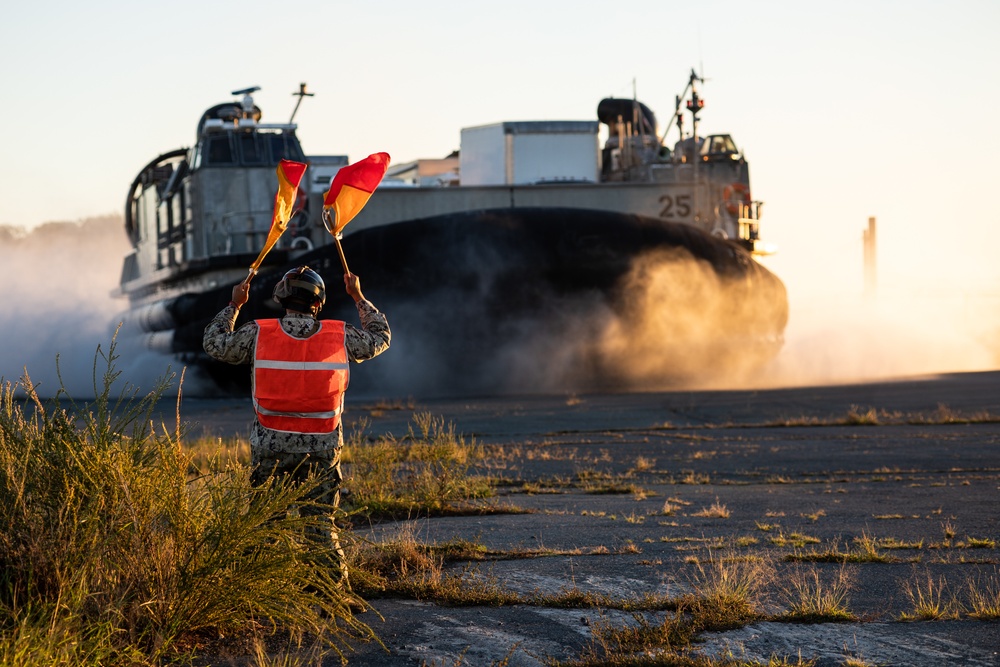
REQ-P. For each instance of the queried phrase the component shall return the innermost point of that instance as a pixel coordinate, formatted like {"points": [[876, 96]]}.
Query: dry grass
{"points": [[726, 595], [428, 471], [714, 511], [644, 464], [797, 540], [866, 549], [984, 597], [811, 597], [930, 599]]}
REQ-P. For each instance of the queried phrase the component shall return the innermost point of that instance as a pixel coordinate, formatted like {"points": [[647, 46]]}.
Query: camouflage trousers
{"points": [[298, 466]]}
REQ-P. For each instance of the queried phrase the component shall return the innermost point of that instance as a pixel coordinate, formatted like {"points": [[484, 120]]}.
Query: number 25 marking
{"points": [[682, 202]]}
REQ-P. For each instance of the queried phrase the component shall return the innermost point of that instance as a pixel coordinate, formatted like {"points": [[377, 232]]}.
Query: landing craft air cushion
{"points": [[533, 242]]}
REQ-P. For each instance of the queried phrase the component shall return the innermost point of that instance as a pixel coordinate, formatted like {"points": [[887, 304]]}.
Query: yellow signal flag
{"points": [[289, 176]]}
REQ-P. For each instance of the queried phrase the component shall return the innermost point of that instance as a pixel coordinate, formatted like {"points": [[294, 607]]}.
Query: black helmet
{"points": [[302, 290]]}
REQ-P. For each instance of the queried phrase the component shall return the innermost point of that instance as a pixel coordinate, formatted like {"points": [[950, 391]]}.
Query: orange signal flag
{"points": [[352, 187], [289, 176]]}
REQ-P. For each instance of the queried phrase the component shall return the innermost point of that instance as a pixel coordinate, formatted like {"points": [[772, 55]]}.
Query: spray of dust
{"points": [[838, 338], [688, 326], [56, 283], [675, 322], [678, 324]]}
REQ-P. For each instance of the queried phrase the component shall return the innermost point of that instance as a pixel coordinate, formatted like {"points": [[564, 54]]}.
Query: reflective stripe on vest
{"points": [[299, 383]]}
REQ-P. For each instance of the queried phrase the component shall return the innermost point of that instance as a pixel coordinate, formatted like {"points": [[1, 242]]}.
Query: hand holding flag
{"points": [[349, 191], [289, 176]]}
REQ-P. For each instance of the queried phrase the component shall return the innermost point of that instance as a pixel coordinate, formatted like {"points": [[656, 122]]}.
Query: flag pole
{"points": [[329, 224], [340, 251]]}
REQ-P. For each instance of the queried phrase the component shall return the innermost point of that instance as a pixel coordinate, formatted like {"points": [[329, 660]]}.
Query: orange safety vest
{"points": [[299, 383]]}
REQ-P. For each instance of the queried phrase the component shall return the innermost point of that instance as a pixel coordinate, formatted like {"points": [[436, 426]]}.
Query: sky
{"points": [[844, 110]]}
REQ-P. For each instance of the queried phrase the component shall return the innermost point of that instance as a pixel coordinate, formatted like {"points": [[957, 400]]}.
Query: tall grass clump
{"points": [[984, 597], [117, 551], [728, 594], [428, 471], [813, 598], [931, 601]]}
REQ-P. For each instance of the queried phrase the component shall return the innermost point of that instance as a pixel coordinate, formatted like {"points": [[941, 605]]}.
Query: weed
{"points": [[692, 477], [810, 599], [597, 482], [641, 494], [860, 416], [893, 543], [980, 543], [931, 600], [797, 540], [866, 551], [428, 471], [714, 511], [856, 661], [779, 479], [949, 530], [728, 594], [984, 598], [643, 464]]}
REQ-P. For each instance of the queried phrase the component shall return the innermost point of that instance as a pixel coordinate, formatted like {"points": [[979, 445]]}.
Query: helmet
{"points": [[301, 289]]}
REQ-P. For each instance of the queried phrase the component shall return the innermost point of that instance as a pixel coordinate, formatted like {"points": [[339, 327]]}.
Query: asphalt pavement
{"points": [[911, 466]]}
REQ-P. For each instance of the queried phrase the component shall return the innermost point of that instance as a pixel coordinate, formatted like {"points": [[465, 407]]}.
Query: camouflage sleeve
{"points": [[224, 344], [373, 337]]}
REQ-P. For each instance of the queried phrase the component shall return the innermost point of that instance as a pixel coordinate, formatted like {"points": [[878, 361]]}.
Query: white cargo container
{"points": [[528, 152]]}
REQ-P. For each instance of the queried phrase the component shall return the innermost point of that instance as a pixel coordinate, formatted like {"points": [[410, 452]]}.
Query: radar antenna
{"points": [[247, 104], [302, 93]]}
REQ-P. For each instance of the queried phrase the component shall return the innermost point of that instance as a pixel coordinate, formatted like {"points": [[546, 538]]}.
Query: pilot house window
{"points": [[250, 149], [219, 151], [722, 143], [286, 147]]}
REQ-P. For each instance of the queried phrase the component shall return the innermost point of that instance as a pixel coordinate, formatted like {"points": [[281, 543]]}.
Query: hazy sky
{"points": [[844, 110]]}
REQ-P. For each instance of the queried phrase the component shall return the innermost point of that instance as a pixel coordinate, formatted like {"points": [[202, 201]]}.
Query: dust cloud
{"points": [[56, 280], [837, 338], [673, 322], [677, 323], [685, 326], [702, 330]]}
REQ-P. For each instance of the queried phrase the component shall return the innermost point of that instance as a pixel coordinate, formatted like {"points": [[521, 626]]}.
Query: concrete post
{"points": [[869, 238]]}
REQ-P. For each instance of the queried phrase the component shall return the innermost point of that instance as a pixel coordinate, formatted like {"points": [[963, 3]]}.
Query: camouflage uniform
{"points": [[278, 452]]}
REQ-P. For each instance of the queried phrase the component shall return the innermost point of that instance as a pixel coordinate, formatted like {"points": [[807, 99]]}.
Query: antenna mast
{"points": [[302, 93], [694, 105]]}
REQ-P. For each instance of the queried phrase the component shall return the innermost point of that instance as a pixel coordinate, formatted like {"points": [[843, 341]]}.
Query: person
{"points": [[300, 373]]}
